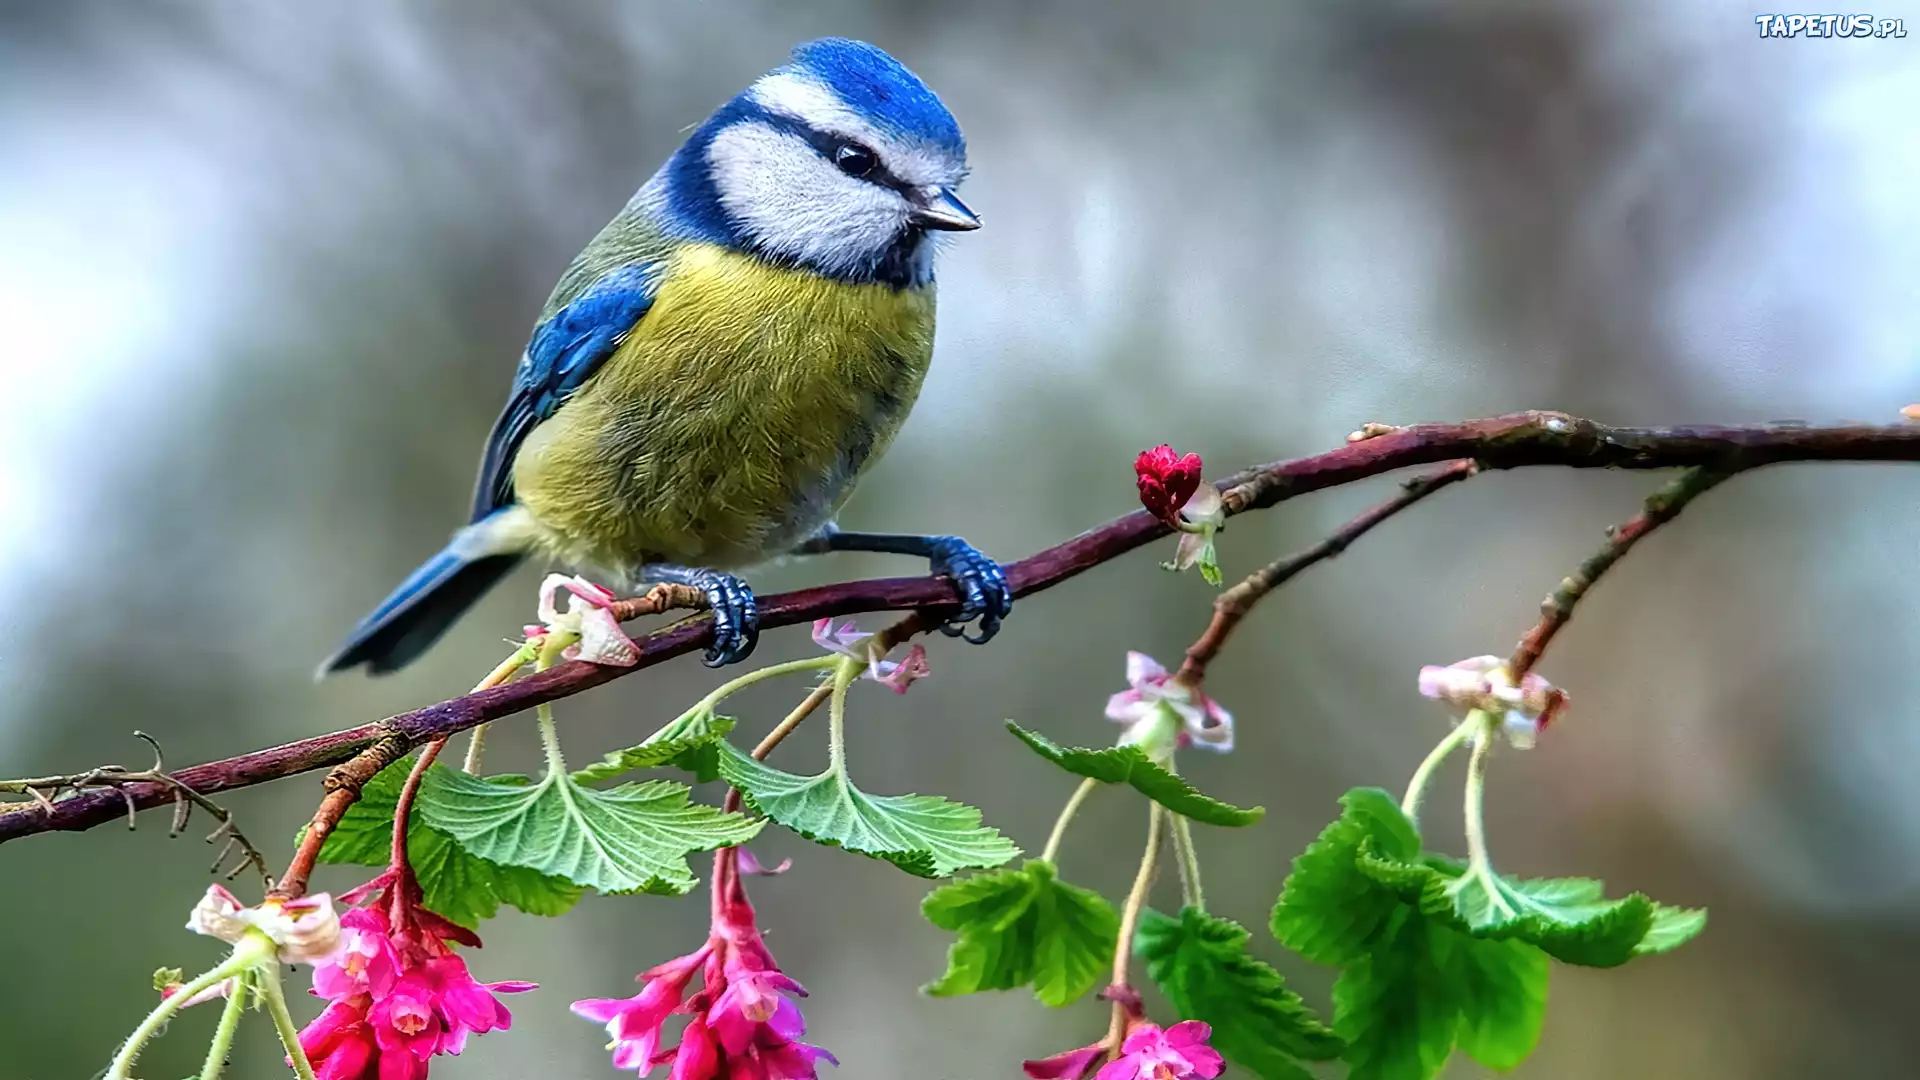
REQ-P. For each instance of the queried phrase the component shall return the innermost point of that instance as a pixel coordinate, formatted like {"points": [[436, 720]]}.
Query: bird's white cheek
{"points": [[794, 203]]}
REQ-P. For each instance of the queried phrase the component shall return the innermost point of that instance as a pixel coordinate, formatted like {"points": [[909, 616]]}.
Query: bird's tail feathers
{"points": [[429, 601]]}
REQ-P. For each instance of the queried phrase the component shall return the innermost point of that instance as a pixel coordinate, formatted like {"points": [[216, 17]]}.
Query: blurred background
{"points": [[265, 270]]}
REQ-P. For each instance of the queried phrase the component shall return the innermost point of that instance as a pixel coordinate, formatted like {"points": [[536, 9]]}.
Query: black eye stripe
{"points": [[828, 146]]}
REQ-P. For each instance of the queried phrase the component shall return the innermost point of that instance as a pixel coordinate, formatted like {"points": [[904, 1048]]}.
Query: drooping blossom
{"points": [[1162, 714], [589, 614], [305, 930], [1177, 1053], [1148, 1053], [1483, 683], [399, 992], [743, 1023], [846, 639], [1167, 481]]}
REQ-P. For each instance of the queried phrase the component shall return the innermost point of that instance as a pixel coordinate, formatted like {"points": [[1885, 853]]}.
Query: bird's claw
{"points": [[736, 618], [984, 592]]}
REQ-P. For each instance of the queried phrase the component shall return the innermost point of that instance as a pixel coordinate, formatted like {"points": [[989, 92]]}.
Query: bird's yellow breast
{"points": [[732, 422]]}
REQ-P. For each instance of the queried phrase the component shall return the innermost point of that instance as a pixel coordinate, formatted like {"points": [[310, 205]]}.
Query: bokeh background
{"points": [[265, 270]]}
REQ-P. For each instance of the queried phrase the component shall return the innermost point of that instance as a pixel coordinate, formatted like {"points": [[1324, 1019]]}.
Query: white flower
{"points": [[305, 930], [1162, 714], [1483, 683], [602, 641]]}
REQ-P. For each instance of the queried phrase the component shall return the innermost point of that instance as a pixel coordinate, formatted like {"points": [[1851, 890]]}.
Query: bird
{"points": [[718, 367]]}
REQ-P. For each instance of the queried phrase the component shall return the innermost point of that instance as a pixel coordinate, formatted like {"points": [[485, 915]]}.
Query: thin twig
{"points": [[1232, 606], [1501, 442], [342, 786], [1555, 611], [43, 790]]}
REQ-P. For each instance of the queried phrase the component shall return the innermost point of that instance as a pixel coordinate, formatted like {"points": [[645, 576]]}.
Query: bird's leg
{"points": [[736, 614], [984, 592]]}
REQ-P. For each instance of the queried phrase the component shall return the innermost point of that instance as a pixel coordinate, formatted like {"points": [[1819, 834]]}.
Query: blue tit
{"points": [[717, 369]]}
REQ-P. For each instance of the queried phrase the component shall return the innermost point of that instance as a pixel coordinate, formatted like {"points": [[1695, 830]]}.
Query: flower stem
{"points": [[255, 949], [844, 673], [1417, 788], [1129, 919], [1191, 894], [1066, 816], [728, 689], [550, 649], [1479, 861], [223, 1034], [269, 985], [476, 744]]}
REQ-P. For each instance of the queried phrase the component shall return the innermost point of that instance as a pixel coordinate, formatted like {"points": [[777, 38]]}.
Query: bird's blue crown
{"points": [[829, 85], [881, 90]]}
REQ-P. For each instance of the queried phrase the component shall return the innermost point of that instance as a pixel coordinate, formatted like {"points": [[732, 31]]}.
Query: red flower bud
{"points": [[1167, 480]]}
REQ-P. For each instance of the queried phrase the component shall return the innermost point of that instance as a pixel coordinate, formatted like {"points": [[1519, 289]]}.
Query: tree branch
{"points": [[1501, 442], [1661, 507], [1232, 606]]}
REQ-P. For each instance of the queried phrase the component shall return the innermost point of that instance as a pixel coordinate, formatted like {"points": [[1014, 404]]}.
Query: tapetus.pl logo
{"points": [[1830, 26]]}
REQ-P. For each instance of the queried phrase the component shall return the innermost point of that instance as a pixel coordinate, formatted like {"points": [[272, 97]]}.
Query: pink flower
{"points": [[1482, 683], [1162, 714], [1166, 481], [400, 993], [1071, 1065], [406, 1019], [465, 1006], [364, 964], [846, 640], [588, 614], [1177, 1053], [634, 1023], [744, 1023], [341, 1046]]}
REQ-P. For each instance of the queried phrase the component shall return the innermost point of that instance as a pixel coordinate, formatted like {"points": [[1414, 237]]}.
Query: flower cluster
{"points": [[845, 639], [1162, 714], [398, 995], [742, 1024], [1149, 1053], [1483, 683]]}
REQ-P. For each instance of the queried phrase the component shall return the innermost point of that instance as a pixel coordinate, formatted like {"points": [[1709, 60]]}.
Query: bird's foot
{"points": [[985, 594], [736, 614]]}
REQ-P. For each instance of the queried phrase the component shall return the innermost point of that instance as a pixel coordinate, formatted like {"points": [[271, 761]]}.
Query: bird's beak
{"points": [[939, 208]]}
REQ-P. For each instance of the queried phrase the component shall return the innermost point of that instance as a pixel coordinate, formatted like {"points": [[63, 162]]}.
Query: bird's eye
{"points": [[854, 160]]}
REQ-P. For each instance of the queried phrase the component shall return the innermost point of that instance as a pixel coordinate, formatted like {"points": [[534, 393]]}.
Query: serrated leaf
{"points": [[924, 835], [1021, 927], [1201, 963], [457, 885], [1130, 765], [1424, 988], [632, 838], [1672, 928], [1502, 990], [686, 742], [1329, 911]]}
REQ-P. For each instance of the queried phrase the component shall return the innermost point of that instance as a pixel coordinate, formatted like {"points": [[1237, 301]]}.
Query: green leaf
{"points": [[1329, 911], [1424, 988], [922, 834], [1672, 928], [1434, 956], [686, 742], [1130, 765], [632, 838], [1021, 927], [457, 884], [1201, 963]]}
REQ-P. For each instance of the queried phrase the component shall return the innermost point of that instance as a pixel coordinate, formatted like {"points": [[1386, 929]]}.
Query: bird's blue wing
{"points": [[563, 354]]}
